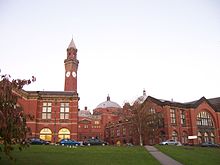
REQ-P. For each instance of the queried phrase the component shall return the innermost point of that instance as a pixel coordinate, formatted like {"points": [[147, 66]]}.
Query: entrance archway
{"points": [[46, 134], [63, 133]]}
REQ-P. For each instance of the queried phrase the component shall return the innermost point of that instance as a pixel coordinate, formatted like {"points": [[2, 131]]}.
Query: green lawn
{"points": [[193, 155], [102, 155]]}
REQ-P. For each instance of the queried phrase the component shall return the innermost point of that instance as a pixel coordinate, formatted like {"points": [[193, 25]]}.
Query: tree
{"points": [[144, 120], [13, 128]]}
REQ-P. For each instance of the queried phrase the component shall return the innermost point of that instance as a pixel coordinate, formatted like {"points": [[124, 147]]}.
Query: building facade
{"points": [[55, 113], [189, 123], [93, 125]]}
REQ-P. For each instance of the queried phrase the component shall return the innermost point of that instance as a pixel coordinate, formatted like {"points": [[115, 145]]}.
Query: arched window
{"points": [[206, 137], [162, 136], [212, 137], [204, 119], [199, 138], [184, 137], [63, 133], [46, 134], [175, 136]]}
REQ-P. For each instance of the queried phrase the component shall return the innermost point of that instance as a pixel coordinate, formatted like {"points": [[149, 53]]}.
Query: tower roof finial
{"points": [[144, 92], [108, 98], [72, 44]]}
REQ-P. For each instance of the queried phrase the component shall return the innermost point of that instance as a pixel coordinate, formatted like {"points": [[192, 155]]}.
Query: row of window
{"points": [[46, 110], [203, 118], [206, 137], [87, 126], [118, 132], [46, 134], [202, 137], [173, 117], [184, 138]]}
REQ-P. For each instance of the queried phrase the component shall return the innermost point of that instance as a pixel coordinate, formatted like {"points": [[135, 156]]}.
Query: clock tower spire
{"points": [[71, 66]]}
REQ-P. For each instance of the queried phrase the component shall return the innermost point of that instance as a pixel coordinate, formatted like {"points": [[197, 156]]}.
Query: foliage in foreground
{"points": [[108, 155], [13, 129], [192, 155]]}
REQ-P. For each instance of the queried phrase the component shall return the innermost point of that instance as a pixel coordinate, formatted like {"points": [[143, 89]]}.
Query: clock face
{"points": [[74, 74], [68, 74]]}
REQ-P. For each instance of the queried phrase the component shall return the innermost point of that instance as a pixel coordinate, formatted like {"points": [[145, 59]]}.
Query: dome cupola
{"points": [[84, 113], [108, 104]]}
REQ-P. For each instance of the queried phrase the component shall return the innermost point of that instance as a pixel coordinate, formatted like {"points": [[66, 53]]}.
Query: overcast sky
{"points": [[170, 48]]}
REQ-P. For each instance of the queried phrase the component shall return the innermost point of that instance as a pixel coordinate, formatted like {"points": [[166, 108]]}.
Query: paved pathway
{"points": [[161, 157]]}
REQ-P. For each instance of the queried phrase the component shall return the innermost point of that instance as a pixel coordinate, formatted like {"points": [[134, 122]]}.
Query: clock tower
{"points": [[71, 66]]}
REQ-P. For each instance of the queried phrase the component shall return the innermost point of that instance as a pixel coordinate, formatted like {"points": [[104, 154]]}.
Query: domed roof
{"points": [[142, 98], [108, 104], [84, 113]]}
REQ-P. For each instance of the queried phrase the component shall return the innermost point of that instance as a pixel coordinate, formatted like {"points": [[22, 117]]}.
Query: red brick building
{"points": [[89, 125], [190, 123], [93, 125], [56, 115], [55, 112]]}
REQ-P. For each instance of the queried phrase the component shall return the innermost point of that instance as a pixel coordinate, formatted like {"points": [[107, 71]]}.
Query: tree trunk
{"points": [[141, 140]]}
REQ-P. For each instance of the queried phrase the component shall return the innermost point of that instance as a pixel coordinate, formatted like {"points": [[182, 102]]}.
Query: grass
{"points": [[107, 155], [188, 155]]}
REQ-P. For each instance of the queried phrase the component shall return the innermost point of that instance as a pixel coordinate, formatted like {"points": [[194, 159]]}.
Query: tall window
{"points": [[212, 137], [199, 137], [184, 137], [96, 122], [151, 110], [123, 131], [46, 111], [118, 131], [112, 132], [204, 119], [206, 137], [173, 116], [183, 117], [64, 111]]}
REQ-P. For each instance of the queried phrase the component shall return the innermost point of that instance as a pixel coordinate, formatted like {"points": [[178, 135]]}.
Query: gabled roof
{"points": [[214, 103]]}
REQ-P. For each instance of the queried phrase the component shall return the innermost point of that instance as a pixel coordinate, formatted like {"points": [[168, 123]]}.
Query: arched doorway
{"points": [[199, 138], [185, 137], [175, 136], [212, 137], [63, 133], [162, 136], [206, 137], [46, 134]]}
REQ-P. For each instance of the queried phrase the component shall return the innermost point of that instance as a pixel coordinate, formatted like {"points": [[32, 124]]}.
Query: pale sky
{"points": [[170, 48]]}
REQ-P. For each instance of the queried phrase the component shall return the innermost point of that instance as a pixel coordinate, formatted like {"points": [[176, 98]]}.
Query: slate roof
{"points": [[60, 93], [47, 94], [214, 103]]}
